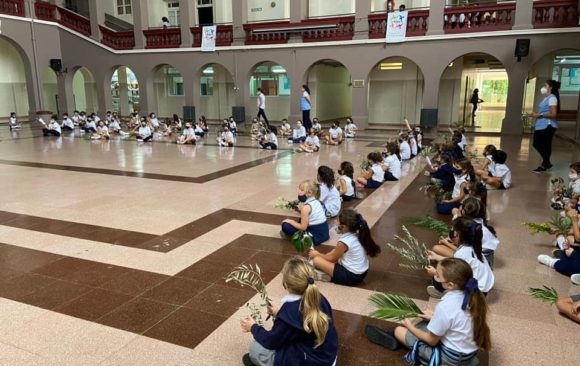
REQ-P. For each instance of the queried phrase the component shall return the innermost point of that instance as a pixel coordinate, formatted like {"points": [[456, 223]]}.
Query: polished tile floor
{"points": [[115, 253]]}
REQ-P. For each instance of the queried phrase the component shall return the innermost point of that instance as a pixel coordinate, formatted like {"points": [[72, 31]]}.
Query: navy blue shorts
{"points": [[372, 184], [342, 276], [389, 177], [501, 186]]}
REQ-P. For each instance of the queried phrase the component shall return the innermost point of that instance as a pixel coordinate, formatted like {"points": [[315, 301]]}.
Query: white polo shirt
{"points": [[313, 140], [317, 213], [503, 172], [299, 132], [394, 165], [488, 241], [355, 258], [481, 270], [405, 150], [144, 131], [378, 173], [330, 197], [491, 165]]}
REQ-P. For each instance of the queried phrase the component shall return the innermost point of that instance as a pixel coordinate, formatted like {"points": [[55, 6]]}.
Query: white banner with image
{"points": [[397, 26], [208, 36]]}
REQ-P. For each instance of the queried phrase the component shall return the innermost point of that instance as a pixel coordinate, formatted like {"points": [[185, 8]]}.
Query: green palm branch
{"points": [[430, 223], [412, 251], [393, 307], [546, 293], [558, 225], [251, 276], [426, 151]]}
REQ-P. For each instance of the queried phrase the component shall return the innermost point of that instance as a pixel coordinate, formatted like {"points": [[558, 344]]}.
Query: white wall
{"points": [[381, 5], [222, 11], [260, 10], [330, 92], [320, 8], [157, 10], [110, 7], [449, 93], [219, 105], [167, 105], [49, 90], [395, 94], [85, 92], [13, 94]]}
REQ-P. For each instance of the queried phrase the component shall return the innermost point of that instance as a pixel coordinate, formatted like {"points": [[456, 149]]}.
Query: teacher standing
{"points": [[546, 125], [306, 106]]}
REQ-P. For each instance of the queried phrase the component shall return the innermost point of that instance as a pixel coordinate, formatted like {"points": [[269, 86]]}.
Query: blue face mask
{"points": [[302, 198]]}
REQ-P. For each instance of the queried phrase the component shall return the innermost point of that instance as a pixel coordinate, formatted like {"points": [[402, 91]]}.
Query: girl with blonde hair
{"points": [[303, 332]]}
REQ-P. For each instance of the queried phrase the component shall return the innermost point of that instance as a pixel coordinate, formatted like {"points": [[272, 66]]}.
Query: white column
{"points": [[361, 22], [524, 11], [512, 123], [436, 14], [140, 21], [240, 17], [186, 20], [97, 15], [123, 91]]}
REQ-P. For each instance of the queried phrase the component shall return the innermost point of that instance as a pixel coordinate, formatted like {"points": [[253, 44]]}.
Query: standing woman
{"points": [[475, 101], [546, 125], [306, 106]]}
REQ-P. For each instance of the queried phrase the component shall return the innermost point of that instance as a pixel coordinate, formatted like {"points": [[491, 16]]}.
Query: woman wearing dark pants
{"points": [[546, 126], [306, 106]]}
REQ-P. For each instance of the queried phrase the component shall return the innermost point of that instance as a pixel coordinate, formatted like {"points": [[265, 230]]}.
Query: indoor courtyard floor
{"points": [[115, 252]]}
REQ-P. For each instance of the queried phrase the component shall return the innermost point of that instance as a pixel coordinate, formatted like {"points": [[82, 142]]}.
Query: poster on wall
{"points": [[208, 35], [396, 26]]}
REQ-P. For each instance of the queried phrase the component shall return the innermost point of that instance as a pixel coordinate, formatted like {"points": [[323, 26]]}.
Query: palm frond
{"points": [[412, 251], [548, 294], [251, 276], [364, 164], [558, 225], [391, 306], [426, 151], [430, 223]]}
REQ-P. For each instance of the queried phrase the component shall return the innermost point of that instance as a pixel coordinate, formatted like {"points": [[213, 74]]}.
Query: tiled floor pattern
{"points": [[192, 307]]}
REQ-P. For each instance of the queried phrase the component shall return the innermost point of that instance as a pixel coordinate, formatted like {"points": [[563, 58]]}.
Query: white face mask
{"points": [[573, 176], [544, 90]]}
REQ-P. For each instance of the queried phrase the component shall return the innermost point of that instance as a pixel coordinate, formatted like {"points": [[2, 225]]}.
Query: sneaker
{"points": [[556, 253], [539, 169], [382, 337], [575, 278], [434, 293], [321, 276], [547, 260], [247, 361]]}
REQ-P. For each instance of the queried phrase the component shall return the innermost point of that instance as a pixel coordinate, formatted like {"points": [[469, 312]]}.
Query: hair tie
{"points": [[310, 281], [360, 220], [470, 287]]}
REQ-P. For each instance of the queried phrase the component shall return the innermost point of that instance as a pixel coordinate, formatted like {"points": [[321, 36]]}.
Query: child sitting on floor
{"points": [[53, 128], [14, 125], [317, 127], [460, 188], [404, 147], [67, 123], [570, 305], [350, 129], [329, 195], [334, 136], [488, 165], [226, 138], [298, 134], [303, 332], [312, 214], [392, 162], [568, 261], [285, 128], [454, 332], [467, 237], [346, 185], [502, 176], [443, 171], [187, 136], [347, 264], [311, 144], [271, 140], [374, 177]]}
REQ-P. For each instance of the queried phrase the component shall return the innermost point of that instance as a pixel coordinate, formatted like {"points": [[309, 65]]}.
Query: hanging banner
{"points": [[396, 26], [208, 35]]}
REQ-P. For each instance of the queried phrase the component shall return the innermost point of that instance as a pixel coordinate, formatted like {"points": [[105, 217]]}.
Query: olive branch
{"points": [[251, 276]]}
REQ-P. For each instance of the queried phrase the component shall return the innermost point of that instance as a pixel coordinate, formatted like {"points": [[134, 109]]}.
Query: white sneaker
{"points": [[575, 278], [547, 260], [321, 276]]}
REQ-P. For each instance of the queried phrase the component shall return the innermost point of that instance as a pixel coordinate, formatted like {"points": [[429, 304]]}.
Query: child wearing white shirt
{"points": [[317, 127], [14, 125], [90, 126], [102, 132], [404, 147], [285, 129], [76, 117], [346, 185], [329, 195], [233, 126], [502, 177], [298, 134], [311, 144], [199, 131], [187, 136], [53, 128], [350, 129], [392, 162], [145, 134], [270, 141], [154, 121], [487, 168], [227, 138], [334, 136], [67, 123], [374, 177]]}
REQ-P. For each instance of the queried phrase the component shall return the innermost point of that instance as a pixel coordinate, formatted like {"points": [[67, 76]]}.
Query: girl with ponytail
{"points": [[466, 174], [467, 237], [347, 264], [303, 332], [454, 332]]}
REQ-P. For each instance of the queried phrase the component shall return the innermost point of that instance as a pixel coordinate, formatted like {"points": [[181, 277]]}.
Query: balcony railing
{"points": [[417, 24], [479, 18], [45, 11], [163, 38], [266, 33], [117, 40], [555, 14], [74, 21], [224, 36], [12, 7], [344, 30]]}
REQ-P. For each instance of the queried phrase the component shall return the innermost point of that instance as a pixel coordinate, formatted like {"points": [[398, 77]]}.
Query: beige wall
{"points": [[13, 94], [260, 10], [319, 8], [219, 105], [49, 90], [110, 7], [331, 92]]}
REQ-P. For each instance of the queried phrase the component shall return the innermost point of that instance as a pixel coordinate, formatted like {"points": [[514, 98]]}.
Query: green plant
{"points": [[434, 190], [251, 276], [426, 151], [281, 202], [364, 164], [301, 241], [430, 223], [548, 294], [412, 251], [393, 307], [558, 225]]}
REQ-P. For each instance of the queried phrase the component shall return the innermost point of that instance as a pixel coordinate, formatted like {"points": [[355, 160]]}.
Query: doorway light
{"points": [[208, 70], [450, 65], [391, 66], [278, 70]]}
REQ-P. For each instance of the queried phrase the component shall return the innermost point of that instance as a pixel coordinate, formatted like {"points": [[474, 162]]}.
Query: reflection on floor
{"points": [[114, 253], [486, 120]]}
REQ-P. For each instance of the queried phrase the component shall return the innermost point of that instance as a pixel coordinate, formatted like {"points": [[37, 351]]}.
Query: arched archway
{"points": [[273, 79], [216, 90], [395, 91], [125, 91], [330, 84], [458, 81], [50, 90], [12, 80], [85, 91], [168, 90]]}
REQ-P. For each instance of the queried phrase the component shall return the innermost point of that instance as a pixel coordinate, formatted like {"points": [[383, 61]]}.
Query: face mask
{"points": [[544, 90], [143, 125], [573, 176], [302, 198]]}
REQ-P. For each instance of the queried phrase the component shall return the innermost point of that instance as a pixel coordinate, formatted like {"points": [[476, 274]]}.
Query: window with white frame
{"points": [[174, 82], [207, 81], [173, 13], [124, 7], [272, 79]]}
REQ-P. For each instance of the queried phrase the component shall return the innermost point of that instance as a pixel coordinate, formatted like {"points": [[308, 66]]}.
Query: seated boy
{"points": [[502, 178]]}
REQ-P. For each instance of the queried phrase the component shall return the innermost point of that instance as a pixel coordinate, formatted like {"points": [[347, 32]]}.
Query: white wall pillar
{"points": [[124, 109], [140, 21], [240, 17], [66, 101], [512, 123], [436, 14], [186, 20], [361, 22], [97, 16], [524, 11]]}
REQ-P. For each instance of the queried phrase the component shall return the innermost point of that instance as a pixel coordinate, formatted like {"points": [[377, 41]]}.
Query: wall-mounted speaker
{"points": [[56, 65], [522, 48]]}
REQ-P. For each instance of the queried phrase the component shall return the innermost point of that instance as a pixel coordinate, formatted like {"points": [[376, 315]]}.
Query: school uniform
{"points": [[272, 142], [145, 134], [413, 145], [198, 131], [189, 132], [353, 266], [330, 198], [502, 171], [446, 208], [481, 270], [419, 139], [96, 118], [489, 242], [154, 122], [394, 171], [350, 192], [53, 129], [568, 265], [377, 178], [317, 224], [446, 176], [313, 141], [454, 326], [90, 127], [224, 139], [490, 166], [115, 126], [350, 130], [405, 150], [335, 133], [76, 119], [463, 143], [68, 124], [457, 153], [317, 127], [575, 186], [103, 133], [14, 123], [298, 135], [288, 344], [233, 127]]}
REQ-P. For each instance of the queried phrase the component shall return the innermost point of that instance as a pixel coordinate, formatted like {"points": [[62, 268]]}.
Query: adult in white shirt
{"points": [[67, 123], [306, 107], [334, 136], [145, 133], [299, 133], [53, 128], [187, 135], [262, 106]]}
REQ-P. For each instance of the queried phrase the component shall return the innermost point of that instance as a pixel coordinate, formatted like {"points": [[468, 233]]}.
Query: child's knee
{"points": [[400, 333]]}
